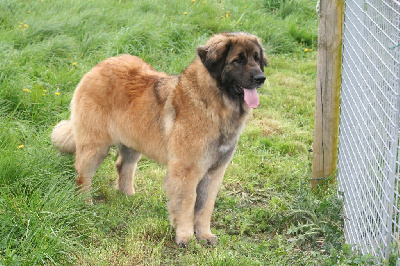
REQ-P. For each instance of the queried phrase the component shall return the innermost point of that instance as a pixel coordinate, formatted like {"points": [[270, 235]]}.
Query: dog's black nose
{"points": [[260, 78]]}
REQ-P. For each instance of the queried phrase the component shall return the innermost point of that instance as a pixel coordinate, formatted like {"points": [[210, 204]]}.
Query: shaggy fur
{"points": [[191, 123]]}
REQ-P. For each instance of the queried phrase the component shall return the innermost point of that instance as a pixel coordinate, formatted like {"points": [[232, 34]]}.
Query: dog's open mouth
{"points": [[250, 95]]}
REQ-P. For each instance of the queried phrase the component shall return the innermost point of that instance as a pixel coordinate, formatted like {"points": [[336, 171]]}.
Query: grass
{"points": [[265, 212]]}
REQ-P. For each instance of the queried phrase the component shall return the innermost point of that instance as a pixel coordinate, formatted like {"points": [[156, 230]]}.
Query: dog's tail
{"points": [[63, 138]]}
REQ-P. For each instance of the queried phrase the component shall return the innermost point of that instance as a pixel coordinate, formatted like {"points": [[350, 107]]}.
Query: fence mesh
{"points": [[369, 150]]}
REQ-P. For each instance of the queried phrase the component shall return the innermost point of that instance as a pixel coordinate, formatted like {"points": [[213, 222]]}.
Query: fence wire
{"points": [[369, 150]]}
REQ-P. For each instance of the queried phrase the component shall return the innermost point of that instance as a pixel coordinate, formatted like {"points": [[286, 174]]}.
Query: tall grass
{"points": [[265, 213]]}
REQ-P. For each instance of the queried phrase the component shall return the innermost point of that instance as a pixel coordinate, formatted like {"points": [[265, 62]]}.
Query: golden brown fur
{"points": [[190, 123]]}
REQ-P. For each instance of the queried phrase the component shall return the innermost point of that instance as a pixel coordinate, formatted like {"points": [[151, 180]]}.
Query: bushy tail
{"points": [[63, 137]]}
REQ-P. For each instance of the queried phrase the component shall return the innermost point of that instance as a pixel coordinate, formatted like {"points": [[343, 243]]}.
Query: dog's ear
{"points": [[213, 56], [263, 61], [263, 57], [202, 51]]}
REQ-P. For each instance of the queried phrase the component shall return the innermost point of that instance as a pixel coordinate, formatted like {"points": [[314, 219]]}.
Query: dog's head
{"points": [[237, 61]]}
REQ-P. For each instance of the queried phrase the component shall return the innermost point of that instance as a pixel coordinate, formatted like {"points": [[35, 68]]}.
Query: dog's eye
{"points": [[256, 58], [240, 58]]}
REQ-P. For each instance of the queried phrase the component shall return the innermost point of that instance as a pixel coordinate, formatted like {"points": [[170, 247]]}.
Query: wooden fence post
{"points": [[326, 124]]}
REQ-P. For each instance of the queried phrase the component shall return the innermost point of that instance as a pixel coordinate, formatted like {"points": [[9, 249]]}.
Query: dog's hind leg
{"points": [[126, 165], [88, 158]]}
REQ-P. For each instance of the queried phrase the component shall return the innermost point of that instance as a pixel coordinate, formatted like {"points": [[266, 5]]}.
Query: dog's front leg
{"points": [[180, 185], [207, 191]]}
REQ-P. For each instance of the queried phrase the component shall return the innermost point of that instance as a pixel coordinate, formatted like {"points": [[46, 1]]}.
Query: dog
{"points": [[191, 123]]}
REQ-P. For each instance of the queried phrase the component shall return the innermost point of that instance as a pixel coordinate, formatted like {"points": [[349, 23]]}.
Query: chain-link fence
{"points": [[369, 150]]}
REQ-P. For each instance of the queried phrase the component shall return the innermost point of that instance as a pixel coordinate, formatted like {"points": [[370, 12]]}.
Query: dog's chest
{"points": [[225, 148], [222, 148], [221, 152]]}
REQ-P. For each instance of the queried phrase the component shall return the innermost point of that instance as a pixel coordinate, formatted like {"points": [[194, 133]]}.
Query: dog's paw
{"points": [[209, 239], [89, 202], [183, 241], [182, 244], [129, 191]]}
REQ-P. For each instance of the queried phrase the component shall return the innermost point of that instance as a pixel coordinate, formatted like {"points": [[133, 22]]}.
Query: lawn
{"points": [[265, 212]]}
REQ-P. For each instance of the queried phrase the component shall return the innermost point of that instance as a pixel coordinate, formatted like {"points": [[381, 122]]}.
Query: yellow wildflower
{"points": [[21, 146], [26, 26], [185, 13], [306, 50], [19, 26], [204, 2], [44, 90], [26, 90], [43, 94], [227, 14], [58, 94], [193, 1], [29, 11], [74, 63]]}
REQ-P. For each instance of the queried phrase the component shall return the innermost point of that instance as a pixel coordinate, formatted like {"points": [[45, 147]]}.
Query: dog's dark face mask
{"points": [[238, 65]]}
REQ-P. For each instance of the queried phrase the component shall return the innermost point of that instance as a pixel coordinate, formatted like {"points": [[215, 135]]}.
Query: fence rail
{"points": [[369, 148]]}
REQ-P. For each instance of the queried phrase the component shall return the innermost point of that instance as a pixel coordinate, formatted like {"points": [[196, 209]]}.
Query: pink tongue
{"points": [[251, 98]]}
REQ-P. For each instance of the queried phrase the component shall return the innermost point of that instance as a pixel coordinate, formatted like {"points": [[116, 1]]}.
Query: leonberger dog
{"points": [[190, 123]]}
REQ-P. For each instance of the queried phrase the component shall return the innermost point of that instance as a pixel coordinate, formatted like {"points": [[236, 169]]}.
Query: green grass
{"points": [[265, 212]]}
